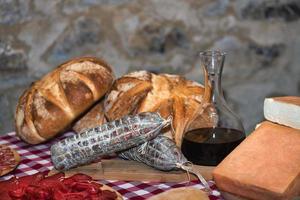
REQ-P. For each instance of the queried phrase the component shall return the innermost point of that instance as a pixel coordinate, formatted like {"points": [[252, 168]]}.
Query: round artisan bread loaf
{"points": [[52, 103], [167, 94]]}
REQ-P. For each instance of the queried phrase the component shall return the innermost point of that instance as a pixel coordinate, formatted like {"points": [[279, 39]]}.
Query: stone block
{"points": [[8, 102], [12, 60], [80, 38], [288, 10]]}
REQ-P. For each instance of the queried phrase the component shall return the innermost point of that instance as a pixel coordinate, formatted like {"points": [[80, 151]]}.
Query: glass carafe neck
{"points": [[213, 62], [216, 87]]}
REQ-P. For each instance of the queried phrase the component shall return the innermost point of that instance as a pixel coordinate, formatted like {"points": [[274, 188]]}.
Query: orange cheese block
{"points": [[265, 166]]}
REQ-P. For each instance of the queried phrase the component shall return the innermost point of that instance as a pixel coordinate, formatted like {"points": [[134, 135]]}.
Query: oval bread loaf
{"points": [[167, 94], [52, 103]]}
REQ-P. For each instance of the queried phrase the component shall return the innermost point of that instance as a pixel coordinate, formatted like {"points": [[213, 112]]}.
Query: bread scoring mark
{"points": [[89, 83], [198, 98], [67, 76], [55, 94], [126, 86], [194, 84], [160, 91], [40, 102], [28, 129], [30, 135], [85, 66], [170, 75], [141, 75], [80, 71], [110, 99]]}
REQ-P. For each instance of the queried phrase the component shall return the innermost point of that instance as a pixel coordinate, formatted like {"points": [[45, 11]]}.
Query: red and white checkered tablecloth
{"points": [[36, 158]]}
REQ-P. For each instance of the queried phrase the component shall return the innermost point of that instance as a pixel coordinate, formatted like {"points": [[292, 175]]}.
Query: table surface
{"points": [[36, 158]]}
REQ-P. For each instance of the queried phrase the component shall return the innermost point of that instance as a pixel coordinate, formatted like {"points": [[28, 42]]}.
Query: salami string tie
{"points": [[189, 168], [168, 121]]}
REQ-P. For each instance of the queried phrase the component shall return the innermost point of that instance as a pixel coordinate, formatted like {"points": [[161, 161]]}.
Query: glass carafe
{"points": [[210, 140]]}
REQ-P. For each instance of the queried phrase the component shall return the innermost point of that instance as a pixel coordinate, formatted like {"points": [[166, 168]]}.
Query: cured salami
{"points": [[163, 154], [9, 159], [111, 137]]}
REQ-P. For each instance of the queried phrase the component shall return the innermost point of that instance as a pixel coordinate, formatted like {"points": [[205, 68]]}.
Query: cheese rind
{"points": [[264, 166], [283, 110]]}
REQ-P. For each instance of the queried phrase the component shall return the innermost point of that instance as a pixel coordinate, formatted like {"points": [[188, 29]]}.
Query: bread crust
{"points": [[52, 103], [94, 117], [167, 94]]}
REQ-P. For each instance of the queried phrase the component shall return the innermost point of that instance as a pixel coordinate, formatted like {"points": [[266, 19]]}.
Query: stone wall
{"points": [[261, 38]]}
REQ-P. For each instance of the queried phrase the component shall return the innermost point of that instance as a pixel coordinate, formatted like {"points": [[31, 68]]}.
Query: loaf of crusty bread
{"points": [[167, 94], [52, 103], [283, 110]]}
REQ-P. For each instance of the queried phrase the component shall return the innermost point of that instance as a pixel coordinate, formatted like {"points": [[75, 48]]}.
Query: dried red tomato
{"points": [[56, 187]]}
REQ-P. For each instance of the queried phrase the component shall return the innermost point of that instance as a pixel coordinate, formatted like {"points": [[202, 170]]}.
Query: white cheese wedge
{"points": [[283, 110]]}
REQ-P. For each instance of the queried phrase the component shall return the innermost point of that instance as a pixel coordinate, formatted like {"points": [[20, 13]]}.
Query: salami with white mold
{"points": [[163, 154], [115, 136], [160, 153]]}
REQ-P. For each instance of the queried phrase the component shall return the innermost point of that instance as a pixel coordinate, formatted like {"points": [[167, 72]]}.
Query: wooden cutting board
{"points": [[117, 169], [126, 170]]}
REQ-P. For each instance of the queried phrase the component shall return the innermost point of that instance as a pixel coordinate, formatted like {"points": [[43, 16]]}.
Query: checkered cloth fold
{"points": [[36, 158]]}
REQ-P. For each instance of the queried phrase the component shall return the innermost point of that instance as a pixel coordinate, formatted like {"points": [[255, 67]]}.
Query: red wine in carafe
{"points": [[209, 146]]}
